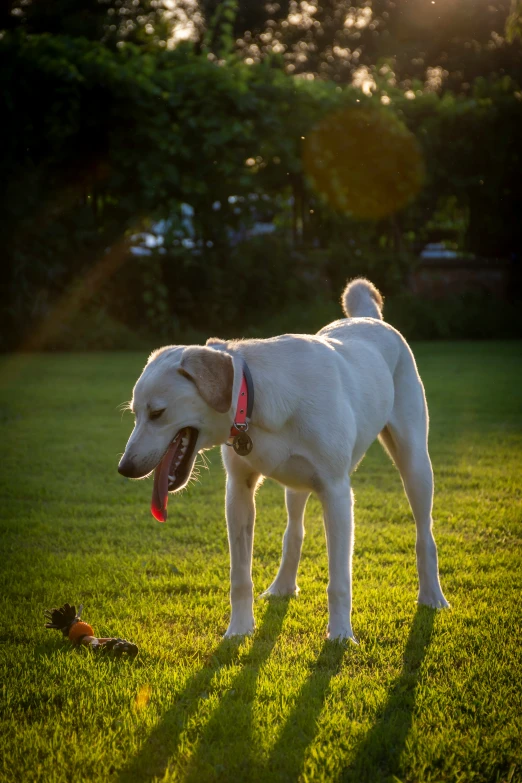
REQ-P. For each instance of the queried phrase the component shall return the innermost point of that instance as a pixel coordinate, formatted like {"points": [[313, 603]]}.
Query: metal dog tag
{"points": [[242, 444]]}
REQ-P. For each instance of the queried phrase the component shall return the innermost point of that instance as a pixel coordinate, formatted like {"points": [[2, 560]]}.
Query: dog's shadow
{"points": [[378, 755], [162, 748], [230, 725], [286, 758]]}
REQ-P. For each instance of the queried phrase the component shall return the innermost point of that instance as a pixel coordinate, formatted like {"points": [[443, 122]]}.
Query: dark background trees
{"points": [[118, 114]]}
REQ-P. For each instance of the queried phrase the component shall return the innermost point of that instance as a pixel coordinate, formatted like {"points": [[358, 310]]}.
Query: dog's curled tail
{"points": [[361, 299]]}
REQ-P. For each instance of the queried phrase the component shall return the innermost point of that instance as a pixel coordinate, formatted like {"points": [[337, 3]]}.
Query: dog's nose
{"points": [[126, 467]]}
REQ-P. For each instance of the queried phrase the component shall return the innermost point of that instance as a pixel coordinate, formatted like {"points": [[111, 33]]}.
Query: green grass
{"points": [[426, 696]]}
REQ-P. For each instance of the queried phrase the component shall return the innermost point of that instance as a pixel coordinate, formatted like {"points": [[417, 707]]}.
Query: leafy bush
{"points": [[470, 316], [262, 294], [231, 288], [93, 329], [101, 142], [388, 270]]}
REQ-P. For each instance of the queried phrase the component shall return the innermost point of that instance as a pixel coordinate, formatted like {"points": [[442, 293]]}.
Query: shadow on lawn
{"points": [[286, 758], [232, 713], [229, 729], [378, 757]]}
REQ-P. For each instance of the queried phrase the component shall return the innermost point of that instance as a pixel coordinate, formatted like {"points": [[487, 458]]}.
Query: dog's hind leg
{"points": [[337, 500], [406, 439], [285, 582]]}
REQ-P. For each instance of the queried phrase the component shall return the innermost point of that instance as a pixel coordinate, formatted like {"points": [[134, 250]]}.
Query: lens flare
{"points": [[363, 162], [143, 697]]}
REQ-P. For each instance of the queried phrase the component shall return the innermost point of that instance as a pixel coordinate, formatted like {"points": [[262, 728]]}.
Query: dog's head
{"points": [[181, 402]]}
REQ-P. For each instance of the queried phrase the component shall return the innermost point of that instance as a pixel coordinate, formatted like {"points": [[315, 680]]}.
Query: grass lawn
{"points": [[426, 696]]}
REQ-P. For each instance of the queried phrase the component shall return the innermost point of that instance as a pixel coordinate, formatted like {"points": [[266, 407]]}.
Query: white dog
{"points": [[318, 403]]}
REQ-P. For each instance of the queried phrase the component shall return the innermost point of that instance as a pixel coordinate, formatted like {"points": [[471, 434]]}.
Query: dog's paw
{"points": [[433, 598], [279, 589], [342, 634], [240, 629]]}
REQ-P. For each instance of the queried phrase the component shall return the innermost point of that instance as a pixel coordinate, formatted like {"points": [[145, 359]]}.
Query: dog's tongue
{"points": [[160, 491]]}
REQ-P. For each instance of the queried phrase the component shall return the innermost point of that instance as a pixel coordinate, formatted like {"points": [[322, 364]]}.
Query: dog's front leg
{"points": [[241, 512], [337, 500]]}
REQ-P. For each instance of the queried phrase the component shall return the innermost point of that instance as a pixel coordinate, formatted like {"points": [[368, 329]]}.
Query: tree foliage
{"points": [[108, 131]]}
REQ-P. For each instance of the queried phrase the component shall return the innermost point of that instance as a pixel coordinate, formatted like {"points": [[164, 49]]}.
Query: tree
{"points": [[438, 45], [514, 21]]}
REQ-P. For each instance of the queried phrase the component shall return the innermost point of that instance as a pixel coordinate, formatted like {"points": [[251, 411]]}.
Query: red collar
{"points": [[244, 407], [240, 419]]}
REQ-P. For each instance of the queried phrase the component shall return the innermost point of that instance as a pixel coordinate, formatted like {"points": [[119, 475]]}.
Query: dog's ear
{"points": [[212, 372]]}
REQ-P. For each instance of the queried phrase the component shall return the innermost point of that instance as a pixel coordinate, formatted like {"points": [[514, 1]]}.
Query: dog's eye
{"points": [[156, 414]]}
